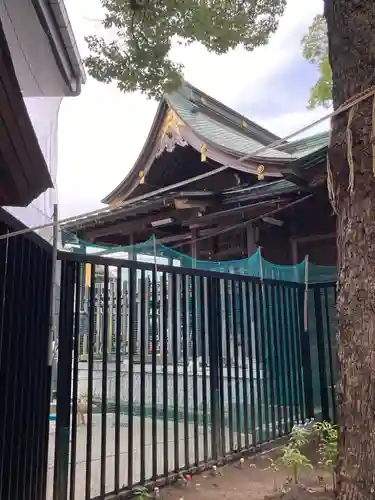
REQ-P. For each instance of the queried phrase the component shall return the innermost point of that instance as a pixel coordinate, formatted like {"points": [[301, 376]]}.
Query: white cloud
{"points": [[289, 123], [102, 131]]}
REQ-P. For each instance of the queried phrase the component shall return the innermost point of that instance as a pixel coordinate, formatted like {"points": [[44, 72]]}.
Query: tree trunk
{"points": [[351, 34]]}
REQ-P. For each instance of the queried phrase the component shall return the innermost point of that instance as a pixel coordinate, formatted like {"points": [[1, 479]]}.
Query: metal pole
{"points": [[306, 295], [52, 313]]}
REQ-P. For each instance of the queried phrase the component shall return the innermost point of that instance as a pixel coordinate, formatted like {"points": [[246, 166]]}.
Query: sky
{"points": [[102, 131]]}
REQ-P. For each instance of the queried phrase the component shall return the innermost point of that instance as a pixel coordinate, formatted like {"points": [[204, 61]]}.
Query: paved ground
{"points": [[110, 452], [96, 451]]}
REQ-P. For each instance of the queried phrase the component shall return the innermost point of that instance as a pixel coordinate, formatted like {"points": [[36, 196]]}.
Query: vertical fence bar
{"points": [[195, 368], [154, 343], [255, 293], [184, 333], [330, 355], [321, 353], [31, 384], [267, 370], [288, 357], [228, 359], [243, 334], [77, 303], [284, 372], [212, 295], [90, 368], [296, 352], [64, 379], [143, 347], [118, 378], [220, 332], [103, 448], [131, 350], [299, 312], [28, 389], [7, 345], [175, 336], [236, 367], [293, 358], [306, 360], [47, 391], [165, 333], [276, 357], [251, 355], [203, 331]]}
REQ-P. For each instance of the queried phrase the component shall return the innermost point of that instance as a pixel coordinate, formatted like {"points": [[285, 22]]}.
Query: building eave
{"points": [[54, 19], [24, 173]]}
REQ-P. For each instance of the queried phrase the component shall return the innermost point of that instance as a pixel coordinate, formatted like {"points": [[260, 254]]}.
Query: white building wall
{"points": [[43, 88], [33, 60]]}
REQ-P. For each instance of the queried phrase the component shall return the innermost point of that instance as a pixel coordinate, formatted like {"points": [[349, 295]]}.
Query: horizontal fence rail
{"points": [[164, 369]]}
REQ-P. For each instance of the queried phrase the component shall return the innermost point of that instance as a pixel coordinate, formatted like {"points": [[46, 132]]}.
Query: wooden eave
{"points": [[127, 186], [24, 174], [186, 209]]}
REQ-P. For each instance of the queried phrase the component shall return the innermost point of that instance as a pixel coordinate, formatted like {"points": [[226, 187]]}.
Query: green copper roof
{"points": [[221, 128], [307, 145], [262, 189]]}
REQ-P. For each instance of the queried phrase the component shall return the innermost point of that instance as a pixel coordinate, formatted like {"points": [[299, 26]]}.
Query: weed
{"points": [[141, 493], [328, 446]]}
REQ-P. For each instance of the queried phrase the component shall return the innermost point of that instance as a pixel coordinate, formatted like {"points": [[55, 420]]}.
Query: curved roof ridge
{"points": [[209, 119]]}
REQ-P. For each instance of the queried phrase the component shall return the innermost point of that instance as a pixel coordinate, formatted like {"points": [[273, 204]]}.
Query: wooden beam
{"points": [[314, 237], [186, 236], [129, 226], [197, 222]]}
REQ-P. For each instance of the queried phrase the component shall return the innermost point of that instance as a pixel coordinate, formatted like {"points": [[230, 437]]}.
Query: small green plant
{"points": [[292, 456], [295, 460], [141, 493], [328, 446], [300, 436]]}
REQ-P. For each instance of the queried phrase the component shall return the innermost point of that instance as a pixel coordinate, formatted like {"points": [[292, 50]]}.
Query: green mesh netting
{"points": [[255, 265]]}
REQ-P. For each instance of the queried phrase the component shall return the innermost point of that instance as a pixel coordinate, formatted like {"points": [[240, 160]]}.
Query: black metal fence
{"points": [[165, 369], [25, 281], [322, 334]]}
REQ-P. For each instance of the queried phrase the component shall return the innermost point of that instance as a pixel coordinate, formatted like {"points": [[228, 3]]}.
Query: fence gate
{"points": [[165, 369], [25, 282]]}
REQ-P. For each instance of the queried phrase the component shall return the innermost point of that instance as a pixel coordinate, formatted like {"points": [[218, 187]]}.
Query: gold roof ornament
{"points": [[141, 177], [244, 124], [260, 172], [204, 152], [171, 132]]}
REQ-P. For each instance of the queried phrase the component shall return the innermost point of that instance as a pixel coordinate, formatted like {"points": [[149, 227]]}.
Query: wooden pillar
{"points": [[194, 245], [132, 253], [251, 242], [294, 250]]}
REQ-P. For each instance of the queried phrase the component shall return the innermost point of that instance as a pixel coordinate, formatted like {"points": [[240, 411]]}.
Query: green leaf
{"points": [[138, 57], [315, 50]]}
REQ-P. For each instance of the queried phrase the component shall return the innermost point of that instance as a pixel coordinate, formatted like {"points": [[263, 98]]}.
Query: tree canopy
{"points": [[138, 58], [315, 50]]}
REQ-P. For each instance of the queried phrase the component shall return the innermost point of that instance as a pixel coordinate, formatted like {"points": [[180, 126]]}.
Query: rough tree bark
{"points": [[351, 33]]}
